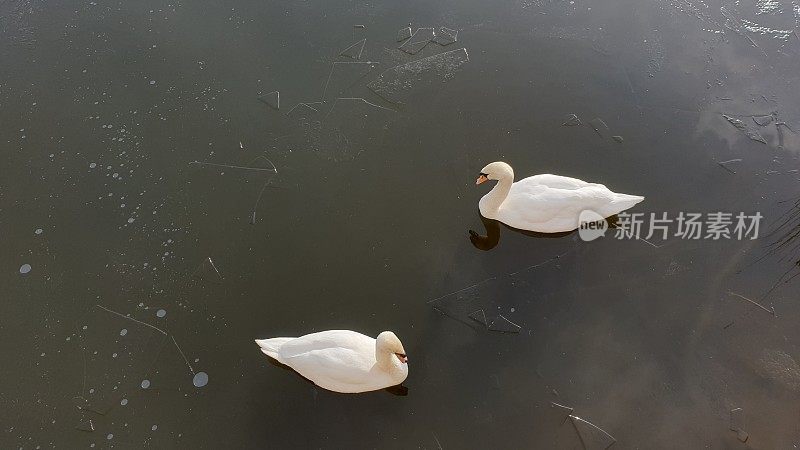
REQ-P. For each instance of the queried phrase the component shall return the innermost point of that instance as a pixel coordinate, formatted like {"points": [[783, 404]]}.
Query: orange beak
{"points": [[403, 358], [481, 179]]}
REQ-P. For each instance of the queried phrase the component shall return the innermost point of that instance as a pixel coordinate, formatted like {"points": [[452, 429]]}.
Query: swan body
{"points": [[342, 360], [546, 203]]}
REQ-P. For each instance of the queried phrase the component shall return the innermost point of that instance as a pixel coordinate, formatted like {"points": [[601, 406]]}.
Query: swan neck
{"points": [[387, 362], [500, 191]]}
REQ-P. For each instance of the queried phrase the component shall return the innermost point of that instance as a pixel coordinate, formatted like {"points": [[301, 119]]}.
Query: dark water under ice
{"points": [[179, 179]]}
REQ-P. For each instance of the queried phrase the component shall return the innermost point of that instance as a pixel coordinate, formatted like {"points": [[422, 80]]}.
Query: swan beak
{"points": [[402, 357], [481, 179]]}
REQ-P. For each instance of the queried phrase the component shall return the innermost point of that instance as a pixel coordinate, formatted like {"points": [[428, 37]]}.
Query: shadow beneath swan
{"points": [[492, 237], [398, 390]]}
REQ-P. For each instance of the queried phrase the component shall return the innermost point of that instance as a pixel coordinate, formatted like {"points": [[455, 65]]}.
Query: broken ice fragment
{"points": [[25, 269], [354, 51], [735, 122], [763, 120], [86, 425], [571, 121], [723, 164], [207, 271], [479, 316], [500, 323], [737, 424], [271, 99], [755, 136], [618, 139], [342, 76], [414, 48], [591, 435], [599, 126], [742, 435], [449, 306], [737, 419], [426, 34], [744, 128], [80, 402], [459, 305], [564, 411], [403, 34], [445, 36], [394, 83]]}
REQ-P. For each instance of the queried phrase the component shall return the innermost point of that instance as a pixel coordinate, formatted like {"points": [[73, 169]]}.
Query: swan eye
{"points": [[484, 174], [402, 355]]}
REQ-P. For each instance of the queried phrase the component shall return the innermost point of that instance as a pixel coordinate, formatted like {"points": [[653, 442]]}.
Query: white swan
{"points": [[546, 203], [342, 360]]}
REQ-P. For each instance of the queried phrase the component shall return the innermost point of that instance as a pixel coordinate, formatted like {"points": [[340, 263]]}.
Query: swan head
{"points": [[388, 344], [497, 170]]}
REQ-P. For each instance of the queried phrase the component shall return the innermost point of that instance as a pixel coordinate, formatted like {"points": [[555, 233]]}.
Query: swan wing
{"points": [[339, 369], [331, 339], [550, 209], [554, 181], [338, 360]]}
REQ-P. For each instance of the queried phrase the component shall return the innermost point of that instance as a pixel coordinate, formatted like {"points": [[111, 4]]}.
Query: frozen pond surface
{"points": [[181, 178]]}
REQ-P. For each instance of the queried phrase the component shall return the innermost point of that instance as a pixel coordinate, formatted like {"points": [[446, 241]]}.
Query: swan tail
{"points": [[621, 202], [271, 347]]}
